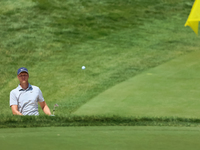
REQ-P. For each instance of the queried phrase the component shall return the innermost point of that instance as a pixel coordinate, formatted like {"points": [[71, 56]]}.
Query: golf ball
{"points": [[83, 67]]}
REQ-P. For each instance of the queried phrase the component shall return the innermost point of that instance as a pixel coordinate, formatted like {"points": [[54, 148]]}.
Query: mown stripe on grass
{"points": [[171, 89], [101, 138], [98, 138]]}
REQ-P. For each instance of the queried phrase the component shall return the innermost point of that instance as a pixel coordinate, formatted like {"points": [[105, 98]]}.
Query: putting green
{"points": [[98, 138], [171, 89]]}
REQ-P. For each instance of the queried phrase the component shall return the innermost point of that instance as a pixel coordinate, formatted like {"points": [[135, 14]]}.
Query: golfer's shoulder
{"points": [[16, 90], [35, 87]]}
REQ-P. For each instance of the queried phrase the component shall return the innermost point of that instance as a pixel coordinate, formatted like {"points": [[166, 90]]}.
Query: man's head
{"points": [[22, 75]]}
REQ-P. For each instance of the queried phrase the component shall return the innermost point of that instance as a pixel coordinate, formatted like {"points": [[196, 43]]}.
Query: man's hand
{"points": [[45, 108], [15, 110]]}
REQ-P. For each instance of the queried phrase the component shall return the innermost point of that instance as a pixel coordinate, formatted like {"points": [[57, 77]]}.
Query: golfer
{"points": [[25, 98]]}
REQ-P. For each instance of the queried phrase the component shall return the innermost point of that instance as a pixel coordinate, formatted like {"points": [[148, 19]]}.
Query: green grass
{"points": [[115, 40], [71, 120], [171, 89], [99, 138]]}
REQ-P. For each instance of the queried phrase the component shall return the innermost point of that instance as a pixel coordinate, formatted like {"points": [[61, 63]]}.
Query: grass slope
{"points": [[99, 138], [171, 89], [114, 39]]}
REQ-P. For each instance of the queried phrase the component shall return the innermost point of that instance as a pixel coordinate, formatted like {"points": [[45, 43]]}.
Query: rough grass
{"points": [[71, 120]]}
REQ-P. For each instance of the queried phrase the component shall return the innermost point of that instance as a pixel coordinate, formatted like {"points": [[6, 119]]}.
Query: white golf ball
{"points": [[83, 67]]}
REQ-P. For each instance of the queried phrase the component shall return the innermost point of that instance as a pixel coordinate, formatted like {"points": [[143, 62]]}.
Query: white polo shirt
{"points": [[27, 100]]}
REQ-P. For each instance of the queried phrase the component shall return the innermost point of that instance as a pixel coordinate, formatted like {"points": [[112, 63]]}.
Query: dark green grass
{"points": [[108, 138], [56, 121]]}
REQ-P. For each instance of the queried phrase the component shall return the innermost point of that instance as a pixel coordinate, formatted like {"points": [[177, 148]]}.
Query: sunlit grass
{"points": [[115, 40]]}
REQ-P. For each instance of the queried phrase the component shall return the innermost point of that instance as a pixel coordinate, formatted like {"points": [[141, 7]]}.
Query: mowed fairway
{"points": [[171, 90], [98, 138]]}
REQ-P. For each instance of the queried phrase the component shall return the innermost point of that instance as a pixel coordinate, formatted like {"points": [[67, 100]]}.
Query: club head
{"points": [[56, 105]]}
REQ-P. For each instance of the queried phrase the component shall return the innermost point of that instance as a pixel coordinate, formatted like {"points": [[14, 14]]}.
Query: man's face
{"points": [[23, 77]]}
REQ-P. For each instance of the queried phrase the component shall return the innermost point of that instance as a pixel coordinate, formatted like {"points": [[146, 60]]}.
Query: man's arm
{"points": [[15, 110], [45, 108]]}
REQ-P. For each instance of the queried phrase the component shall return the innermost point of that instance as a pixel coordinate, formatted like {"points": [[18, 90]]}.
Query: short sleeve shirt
{"points": [[27, 100]]}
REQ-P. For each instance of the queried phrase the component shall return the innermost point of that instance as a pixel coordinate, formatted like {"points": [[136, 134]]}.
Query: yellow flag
{"points": [[194, 17]]}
